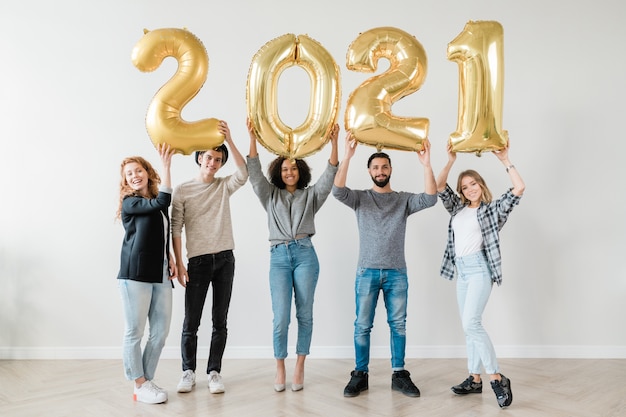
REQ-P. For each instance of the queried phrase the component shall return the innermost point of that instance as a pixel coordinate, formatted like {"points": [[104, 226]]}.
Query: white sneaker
{"points": [[149, 393], [216, 386], [187, 381]]}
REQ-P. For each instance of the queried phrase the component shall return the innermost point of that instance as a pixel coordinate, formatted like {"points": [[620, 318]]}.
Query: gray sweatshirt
{"points": [[381, 219], [289, 215], [204, 212]]}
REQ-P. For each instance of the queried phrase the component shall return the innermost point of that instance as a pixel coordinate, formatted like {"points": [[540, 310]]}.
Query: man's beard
{"points": [[382, 183]]}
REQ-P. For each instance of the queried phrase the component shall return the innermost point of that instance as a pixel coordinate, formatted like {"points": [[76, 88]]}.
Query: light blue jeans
{"points": [[294, 268], [394, 285], [473, 289], [143, 301]]}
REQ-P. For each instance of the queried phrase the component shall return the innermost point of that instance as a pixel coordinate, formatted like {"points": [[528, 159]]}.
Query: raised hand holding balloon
{"points": [[163, 119], [368, 111], [262, 96], [478, 50]]}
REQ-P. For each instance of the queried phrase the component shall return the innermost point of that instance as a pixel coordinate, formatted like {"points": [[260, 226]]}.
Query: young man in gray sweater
{"points": [[202, 207], [381, 217]]}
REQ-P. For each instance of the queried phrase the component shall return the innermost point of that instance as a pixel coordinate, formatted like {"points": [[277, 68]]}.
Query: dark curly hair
{"points": [[274, 172]]}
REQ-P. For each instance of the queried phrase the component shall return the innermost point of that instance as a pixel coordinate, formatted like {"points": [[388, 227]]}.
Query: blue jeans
{"points": [[394, 285], [473, 289], [294, 267], [217, 269], [144, 301]]}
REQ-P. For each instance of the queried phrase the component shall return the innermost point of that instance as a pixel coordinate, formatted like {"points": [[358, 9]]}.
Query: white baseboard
{"points": [[325, 352]]}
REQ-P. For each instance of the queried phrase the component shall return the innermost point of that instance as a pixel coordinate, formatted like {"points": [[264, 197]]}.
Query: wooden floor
{"points": [[97, 388]]}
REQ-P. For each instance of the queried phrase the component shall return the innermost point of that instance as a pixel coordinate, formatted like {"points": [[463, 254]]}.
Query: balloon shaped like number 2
{"points": [[478, 51], [368, 111], [163, 119], [267, 66]]}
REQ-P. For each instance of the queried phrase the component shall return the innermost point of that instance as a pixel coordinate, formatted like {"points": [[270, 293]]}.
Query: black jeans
{"points": [[217, 269]]}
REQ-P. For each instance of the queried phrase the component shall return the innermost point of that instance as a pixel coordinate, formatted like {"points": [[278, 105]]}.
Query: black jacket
{"points": [[142, 248]]}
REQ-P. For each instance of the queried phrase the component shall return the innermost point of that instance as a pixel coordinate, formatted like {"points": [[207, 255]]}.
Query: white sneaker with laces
{"points": [[216, 386], [149, 393], [187, 381]]}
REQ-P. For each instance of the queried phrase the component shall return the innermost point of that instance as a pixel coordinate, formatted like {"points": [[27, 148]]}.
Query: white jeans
{"points": [[473, 289]]}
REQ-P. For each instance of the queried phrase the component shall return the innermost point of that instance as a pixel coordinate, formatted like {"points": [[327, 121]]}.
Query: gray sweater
{"points": [[381, 219], [289, 215], [204, 212]]}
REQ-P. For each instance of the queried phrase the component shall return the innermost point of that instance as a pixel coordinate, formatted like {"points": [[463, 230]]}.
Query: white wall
{"points": [[72, 105]]}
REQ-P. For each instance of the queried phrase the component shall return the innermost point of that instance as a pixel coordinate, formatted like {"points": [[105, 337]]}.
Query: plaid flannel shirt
{"points": [[491, 218]]}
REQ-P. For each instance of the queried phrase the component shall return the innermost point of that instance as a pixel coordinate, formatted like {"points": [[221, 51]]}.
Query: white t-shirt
{"points": [[467, 236]]}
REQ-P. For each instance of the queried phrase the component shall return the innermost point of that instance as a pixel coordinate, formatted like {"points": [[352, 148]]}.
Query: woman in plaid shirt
{"points": [[473, 252]]}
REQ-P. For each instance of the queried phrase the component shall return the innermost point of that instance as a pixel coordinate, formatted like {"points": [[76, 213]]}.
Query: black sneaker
{"points": [[401, 381], [468, 387], [503, 392], [357, 384]]}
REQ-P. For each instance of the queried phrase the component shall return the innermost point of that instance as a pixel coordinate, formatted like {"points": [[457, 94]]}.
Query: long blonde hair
{"points": [[485, 195], [126, 190]]}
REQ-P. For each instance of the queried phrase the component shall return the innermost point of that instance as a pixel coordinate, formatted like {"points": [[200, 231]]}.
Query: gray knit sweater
{"points": [[381, 219], [290, 215], [204, 211]]}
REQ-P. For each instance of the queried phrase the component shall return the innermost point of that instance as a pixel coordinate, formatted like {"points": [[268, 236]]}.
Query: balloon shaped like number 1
{"points": [[478, 50], [163, 120]]}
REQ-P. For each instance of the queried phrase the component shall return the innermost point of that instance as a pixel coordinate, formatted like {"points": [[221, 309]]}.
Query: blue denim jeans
{"points": [[473, 289], [394, 285], [143, 301], [217, 269], [294, 269]]}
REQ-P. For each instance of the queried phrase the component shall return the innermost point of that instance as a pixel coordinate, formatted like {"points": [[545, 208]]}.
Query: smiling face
{"points": [[472, 188], [472, 191], [136, 177], [380, 171], [210, 162], [290, 174]]}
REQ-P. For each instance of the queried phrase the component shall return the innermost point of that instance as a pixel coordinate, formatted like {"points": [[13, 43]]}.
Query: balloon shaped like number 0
{"points": [[163, 119], [368, 111], [478, 52], [267, 65]]}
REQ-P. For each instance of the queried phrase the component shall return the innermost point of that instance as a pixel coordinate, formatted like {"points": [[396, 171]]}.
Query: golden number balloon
{"points": [[478, 51], [163, 119], [262, 100], [368, 110]]}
